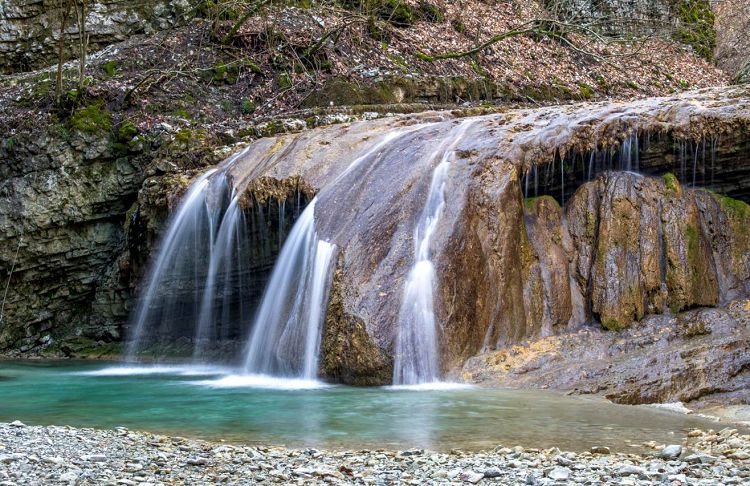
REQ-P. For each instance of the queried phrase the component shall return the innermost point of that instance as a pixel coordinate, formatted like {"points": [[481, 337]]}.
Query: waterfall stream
{"points": [[188, 236], [416, 360], [285, 336]]}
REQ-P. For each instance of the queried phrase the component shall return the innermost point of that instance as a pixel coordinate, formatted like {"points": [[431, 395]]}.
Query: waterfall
{"points": [[285, 337], [182, 291], [220, 261], [416, 356]]}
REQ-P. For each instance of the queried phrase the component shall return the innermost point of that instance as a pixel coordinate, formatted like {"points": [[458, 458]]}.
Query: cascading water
{"points": [[286, 334], [185, 228], [416, 358], [220, 262], [183, 294]]}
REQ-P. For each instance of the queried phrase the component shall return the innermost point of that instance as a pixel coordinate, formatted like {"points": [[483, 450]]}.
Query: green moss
{"points": [[612, 324], [671, 183], [129, 218], [590, 226], [738, 214], [110, 67], [220, 72], [252, 67], [674, 307], [181, 113], [734, 208], [632, 85], [139, 143], [696, 26], [397, 12], [423, 57], [693, 244], [127, 131], [585, 91], [430, 12], [342, 92], [247, 107], [285, 82], [91, 119], [531, 204], [246, 132], [458, 26]]}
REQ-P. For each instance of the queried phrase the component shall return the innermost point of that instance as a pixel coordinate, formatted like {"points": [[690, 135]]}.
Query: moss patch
{"points": [[696, 26], [531, 204], [672, 184], [91, 119]]}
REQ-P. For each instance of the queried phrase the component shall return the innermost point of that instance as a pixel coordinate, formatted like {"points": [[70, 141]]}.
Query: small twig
{"points": [[10, 275]]}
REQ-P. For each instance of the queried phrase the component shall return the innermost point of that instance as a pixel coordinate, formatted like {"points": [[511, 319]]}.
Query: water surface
{"points": [[216, 403]]}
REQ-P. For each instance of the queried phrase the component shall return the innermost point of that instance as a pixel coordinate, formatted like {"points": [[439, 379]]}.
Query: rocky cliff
{"points": [[30, 29]]}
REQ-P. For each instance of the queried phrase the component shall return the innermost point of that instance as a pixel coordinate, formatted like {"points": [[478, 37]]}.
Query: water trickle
{"points": [[416, 356], [285, 337]]}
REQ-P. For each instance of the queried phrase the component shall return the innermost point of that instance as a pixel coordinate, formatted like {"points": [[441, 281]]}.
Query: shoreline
{"points": [[67, 455]]}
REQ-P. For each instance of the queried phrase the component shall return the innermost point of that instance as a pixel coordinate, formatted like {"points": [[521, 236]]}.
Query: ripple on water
{"points": [[180, 370], [262, 381], [432, 386]]}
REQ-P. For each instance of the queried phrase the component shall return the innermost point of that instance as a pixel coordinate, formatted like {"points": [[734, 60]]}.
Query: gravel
{"points": [[32, 455]]}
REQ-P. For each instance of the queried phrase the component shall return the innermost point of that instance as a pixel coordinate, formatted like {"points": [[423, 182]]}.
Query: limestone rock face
{"points": [[699, 356], [30, 29], [62, 231], [640, 244]]}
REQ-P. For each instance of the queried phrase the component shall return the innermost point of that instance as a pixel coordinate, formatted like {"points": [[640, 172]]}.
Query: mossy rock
{"points": [[672, 184], [247, 106], [110, 67], [696, 26], [586, 92], [612, 324], [91, 119], [532, 204], [342, 92], [127, 131]]}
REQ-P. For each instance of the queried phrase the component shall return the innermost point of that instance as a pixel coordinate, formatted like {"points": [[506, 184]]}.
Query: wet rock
{"points": [[17, 423], [559, 474], [600, 450], [671, 451]]}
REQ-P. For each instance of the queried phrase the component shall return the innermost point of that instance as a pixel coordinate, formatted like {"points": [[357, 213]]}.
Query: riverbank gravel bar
{"points": [[70, 456]]}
